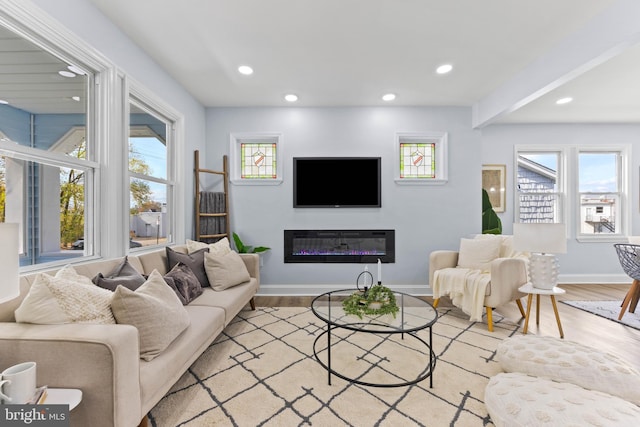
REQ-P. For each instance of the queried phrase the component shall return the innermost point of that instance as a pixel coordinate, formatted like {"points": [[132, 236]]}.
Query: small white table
{"points": [[63, 396], [529, 289]]}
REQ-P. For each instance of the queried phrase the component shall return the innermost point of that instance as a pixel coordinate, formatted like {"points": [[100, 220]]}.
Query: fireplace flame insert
{"points": [[339, 246]]}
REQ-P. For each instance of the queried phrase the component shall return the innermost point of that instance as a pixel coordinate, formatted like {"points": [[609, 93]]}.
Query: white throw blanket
{"points": [[465, 287]]}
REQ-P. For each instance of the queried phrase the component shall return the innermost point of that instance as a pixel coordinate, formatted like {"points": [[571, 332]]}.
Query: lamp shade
{"points": [[9, 262], [546, 238]]}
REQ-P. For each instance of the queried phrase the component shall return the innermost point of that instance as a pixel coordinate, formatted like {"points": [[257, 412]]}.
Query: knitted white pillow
{"points": [[66, 297], [571, 362]]}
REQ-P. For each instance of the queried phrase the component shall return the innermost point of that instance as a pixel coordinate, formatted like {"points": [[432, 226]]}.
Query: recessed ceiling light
{"points": [[76, 70], [65, 73], [2, 101], [76, 98], [389, 97], [562, 101], [245, 69], [444, 69], [291, 97]]}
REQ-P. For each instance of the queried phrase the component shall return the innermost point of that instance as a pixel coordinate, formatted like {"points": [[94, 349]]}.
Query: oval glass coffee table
{"points": [[372, 350]]}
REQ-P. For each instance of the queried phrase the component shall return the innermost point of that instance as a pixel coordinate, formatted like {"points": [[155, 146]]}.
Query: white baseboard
{"points": [[317, 289], [425, 290], [594, 279]]}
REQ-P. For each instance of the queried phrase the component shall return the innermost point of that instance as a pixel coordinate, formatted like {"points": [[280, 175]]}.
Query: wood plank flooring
{"points": [[578, 325]]}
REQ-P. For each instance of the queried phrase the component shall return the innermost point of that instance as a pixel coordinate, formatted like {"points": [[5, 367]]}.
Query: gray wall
{"points": [[425, 217], [584, 262]]}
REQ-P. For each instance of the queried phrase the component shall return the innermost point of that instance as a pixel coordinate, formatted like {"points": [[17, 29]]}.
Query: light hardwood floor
{"points": [[578, 325]]}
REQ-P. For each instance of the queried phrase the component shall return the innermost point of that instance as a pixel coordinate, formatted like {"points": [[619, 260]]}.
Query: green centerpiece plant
{"points": [[375, 301]]}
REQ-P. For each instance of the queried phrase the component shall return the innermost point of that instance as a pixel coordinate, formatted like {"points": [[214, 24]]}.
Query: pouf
{"points": [[571, 362], [515, 399]]}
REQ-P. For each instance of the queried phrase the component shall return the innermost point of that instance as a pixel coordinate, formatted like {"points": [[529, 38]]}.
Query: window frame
{"points": [[235, 150], [569, 196], [441, 156], [561, 182], [156, 107], [623, 153]]}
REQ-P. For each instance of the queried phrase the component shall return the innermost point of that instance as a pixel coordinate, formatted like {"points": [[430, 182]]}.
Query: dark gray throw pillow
{"points": [[124, 274], [184, 283], [194, 260]]}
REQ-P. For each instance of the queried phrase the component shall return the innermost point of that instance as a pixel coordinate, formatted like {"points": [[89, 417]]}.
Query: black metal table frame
{"points": [[428, 371]]}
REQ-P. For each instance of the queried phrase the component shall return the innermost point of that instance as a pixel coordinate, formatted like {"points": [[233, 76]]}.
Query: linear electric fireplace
{"points": [[349, 246]]}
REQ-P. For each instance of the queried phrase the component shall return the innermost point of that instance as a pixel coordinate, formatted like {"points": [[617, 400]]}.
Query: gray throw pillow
{"points": [[194, 260], [184, 283], [124, 274]]}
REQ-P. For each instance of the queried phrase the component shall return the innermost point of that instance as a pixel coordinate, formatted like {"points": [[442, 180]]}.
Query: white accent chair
{"points": [[485, 273]]}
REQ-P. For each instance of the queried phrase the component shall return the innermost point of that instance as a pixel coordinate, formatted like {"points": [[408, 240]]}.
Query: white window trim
{"points": [[568, 189], [562, 177], [623, 179], [440, 139], [236, 139], [175, 164]]}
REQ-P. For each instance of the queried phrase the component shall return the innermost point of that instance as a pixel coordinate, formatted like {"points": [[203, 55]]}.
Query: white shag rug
{"points": [[609, 310]]}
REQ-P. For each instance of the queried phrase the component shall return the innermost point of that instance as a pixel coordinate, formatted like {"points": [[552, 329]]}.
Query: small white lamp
{"points": [[542, 240], [9, 262]]}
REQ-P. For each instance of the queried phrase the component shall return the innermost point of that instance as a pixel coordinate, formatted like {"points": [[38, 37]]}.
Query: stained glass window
{"points": [[258, 160], [417, 160]]}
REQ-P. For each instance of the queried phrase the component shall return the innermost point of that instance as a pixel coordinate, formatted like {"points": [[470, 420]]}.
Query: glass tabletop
{"points": [[414, 313]]}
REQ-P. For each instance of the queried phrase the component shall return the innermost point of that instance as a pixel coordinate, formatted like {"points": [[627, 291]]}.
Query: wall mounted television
{"points": [[337, 182]]}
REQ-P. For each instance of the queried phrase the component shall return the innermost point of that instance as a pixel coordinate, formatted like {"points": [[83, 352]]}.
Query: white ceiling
{"points": [[351, 52]]}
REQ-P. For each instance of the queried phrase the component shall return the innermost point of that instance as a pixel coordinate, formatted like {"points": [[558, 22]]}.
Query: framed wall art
{"points": [[494, 181]]}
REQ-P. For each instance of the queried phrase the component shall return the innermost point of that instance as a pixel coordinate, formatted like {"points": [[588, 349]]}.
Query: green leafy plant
{"points": [[246, 249], [491, 223], [376, 301]]}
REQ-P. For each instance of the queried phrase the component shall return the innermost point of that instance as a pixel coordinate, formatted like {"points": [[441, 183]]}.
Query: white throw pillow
{"points": [[66, 297], [221, 247], [155, 310], [225, 271], [477, 254]]}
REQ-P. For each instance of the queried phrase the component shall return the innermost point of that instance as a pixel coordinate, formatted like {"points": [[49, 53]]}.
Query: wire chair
{"points": [[629, 257]]}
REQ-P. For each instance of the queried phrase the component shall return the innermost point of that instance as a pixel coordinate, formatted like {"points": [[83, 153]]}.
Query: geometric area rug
{"points": [[609, 310], [261, 371]]}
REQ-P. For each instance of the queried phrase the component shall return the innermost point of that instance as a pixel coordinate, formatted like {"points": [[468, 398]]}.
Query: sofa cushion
{"points": [[477, 254], [567, 361], [515, 399], [221, 247], [66, 297], [124, 274], [155, 310], [184, 283], [225, 271], [194, 260]]}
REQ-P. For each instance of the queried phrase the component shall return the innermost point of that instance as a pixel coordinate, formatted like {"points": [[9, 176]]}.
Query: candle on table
{"points": [[379, 271]]}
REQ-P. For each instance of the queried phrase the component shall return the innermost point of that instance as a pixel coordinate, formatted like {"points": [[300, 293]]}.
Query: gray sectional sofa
{"points": [[103, 360]]}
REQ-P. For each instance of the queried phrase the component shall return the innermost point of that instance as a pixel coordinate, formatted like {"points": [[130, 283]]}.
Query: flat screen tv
{"points": [[336, 182]]}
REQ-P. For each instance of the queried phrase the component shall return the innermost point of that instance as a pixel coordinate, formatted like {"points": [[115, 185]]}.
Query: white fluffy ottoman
{"points": [[515, 399], [566, 361]]}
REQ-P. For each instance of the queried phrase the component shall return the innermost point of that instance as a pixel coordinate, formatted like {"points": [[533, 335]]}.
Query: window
{"points": [[581, 186], [599, 191], [150, 189], [421, 158], [47, 172], [256, 159], [539, 186]]}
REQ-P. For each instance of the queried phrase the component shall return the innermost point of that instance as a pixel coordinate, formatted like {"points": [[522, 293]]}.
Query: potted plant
{"points": [[247, 249]]}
